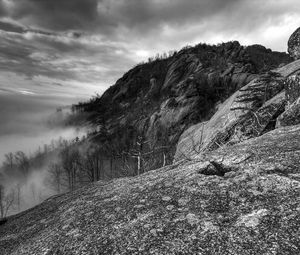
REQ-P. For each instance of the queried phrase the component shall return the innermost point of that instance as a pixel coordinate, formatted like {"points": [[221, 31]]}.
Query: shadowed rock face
{"points": [[294, 44], [291, 116], [292, 88], [253, 207], [161, 99], [249, 112]]}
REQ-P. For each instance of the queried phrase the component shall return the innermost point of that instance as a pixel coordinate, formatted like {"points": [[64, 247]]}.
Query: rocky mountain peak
{"points": [[160, 99]]}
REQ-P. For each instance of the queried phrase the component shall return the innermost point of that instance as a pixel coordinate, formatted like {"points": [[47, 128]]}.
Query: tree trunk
{"points": [[1, 202], [111, 167]]}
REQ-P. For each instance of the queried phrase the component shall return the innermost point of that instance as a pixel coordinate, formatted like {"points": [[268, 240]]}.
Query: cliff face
{"points": [[251, 111], [157, 101]]}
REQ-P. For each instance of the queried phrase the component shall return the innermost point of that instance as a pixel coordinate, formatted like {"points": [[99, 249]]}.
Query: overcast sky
{"points": [[77, 47]]}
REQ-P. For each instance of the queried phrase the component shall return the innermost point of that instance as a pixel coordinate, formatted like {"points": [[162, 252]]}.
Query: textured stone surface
{"points": [[249, 112], [245, 114], [161, 99], [294, 44], [291, 116], [253, 209], [292, 89]]}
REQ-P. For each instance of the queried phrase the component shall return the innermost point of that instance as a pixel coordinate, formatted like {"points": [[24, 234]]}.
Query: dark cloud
{"points": [[97, 40], [64, 57], [55, 14], [108, 15], [9, 27]]}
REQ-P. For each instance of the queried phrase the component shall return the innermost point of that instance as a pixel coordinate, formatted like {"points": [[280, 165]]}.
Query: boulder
{"points": [[292, 89], [294, 44], [291, 116]]}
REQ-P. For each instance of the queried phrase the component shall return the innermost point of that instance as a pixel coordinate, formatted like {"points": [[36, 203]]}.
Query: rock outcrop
{"points": [[238, 200], [291, 116], [294, 44], [292, 89], [248, 113], [159, 100]]}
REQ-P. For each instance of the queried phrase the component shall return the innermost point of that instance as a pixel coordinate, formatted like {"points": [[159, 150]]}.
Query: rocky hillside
{"points": [[157, 101], [267, 102], [238, 200], [234, 187]]}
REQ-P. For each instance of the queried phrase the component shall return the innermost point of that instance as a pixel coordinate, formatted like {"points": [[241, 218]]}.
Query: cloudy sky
{"points": [[74, 48], [57, 52]]}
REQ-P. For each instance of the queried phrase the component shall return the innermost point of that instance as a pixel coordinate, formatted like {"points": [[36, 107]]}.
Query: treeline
{"points": [[25, 180], [67, 165]]}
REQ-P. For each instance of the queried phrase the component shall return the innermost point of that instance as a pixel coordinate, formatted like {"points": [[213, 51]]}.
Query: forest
{"points": [[64, 166]]}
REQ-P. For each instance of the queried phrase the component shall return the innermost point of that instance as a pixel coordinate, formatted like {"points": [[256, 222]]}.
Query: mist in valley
{"points": [[31, 131]]}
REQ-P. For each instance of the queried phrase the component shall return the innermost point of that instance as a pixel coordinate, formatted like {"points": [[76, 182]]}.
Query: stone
{"points": [[294, 44], [192, 219], [170, 207], [292, 89], [183, 201], [257, 96], [252, 219], [166, 199], [291, 116]]}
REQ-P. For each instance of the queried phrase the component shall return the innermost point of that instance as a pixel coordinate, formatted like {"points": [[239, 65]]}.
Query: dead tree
{"points": [[56, 175], [6, 201]]}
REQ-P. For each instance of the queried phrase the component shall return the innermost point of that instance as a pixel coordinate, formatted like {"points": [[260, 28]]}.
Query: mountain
{"points": [[230, 118], [155, 102]]}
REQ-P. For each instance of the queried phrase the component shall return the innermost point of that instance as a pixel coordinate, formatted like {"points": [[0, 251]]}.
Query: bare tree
{"points": [[71, 164], [22, 162], [9, 160], [6, 201], [18, 196], [55, 179]]}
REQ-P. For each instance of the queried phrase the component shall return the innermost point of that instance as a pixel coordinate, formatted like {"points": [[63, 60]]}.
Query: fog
{"points": [[28, 123], [28, 192], [25, 122]]}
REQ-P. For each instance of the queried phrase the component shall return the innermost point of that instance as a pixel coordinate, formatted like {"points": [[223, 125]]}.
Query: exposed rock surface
{"points": [[242, 199], [294, 44], [291, 116], [161, 99], [292, 88], [249, 112]]}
